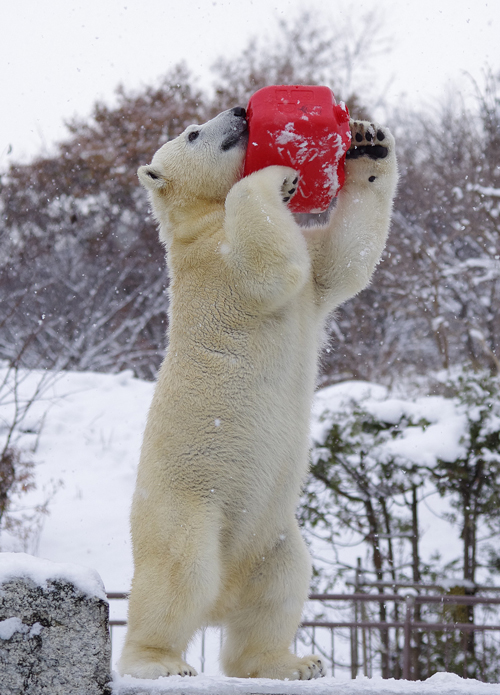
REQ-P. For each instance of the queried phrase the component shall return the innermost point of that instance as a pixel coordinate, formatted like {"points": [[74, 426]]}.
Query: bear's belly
{"points": [[229, 422]]}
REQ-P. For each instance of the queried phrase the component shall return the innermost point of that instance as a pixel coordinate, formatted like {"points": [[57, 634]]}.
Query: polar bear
{"points": [[225, 450]]}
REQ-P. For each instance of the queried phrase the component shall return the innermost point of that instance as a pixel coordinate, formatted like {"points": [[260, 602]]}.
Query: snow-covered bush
{"points": [[22, 411], [379, 460]]}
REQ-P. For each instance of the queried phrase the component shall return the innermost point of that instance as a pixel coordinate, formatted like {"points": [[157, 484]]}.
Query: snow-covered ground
{"points": [[439, 684], [84, 434]]}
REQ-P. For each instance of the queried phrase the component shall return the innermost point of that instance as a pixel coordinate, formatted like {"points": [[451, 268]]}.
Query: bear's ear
{"points": [[151, 178]]}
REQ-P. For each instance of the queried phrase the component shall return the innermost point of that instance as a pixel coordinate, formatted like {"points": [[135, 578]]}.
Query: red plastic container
{"points": [[304, 128]]}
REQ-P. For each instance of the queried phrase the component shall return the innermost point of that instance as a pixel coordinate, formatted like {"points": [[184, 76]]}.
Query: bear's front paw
{"points": [[289, 187], [368, 139]]}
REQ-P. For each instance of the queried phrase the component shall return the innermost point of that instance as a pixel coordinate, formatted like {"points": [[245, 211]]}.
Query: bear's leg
{"points": [[258, 635], [173, 590]]}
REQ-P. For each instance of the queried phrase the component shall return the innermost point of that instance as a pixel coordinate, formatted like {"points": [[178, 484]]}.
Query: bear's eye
{"points": [[193, 135]]}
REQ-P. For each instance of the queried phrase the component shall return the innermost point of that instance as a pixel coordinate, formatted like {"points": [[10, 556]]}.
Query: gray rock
{"points": [[54, 639]]}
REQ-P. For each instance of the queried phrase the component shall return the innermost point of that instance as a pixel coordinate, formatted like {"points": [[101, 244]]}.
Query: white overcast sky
{"points": [[58, 56]]}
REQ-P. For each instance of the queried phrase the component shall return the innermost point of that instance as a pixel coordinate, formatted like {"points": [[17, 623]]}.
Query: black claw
{"points": [[372, 179], [285, 200], [295, 181], [292, 191]]}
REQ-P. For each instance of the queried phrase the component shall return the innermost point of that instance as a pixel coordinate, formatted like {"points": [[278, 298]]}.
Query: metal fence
{"points": [[362, 631], [360, 645]]}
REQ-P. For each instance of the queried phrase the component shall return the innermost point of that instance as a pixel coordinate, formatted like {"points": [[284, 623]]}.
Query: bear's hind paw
{"points": [[144, 668], [311, 667], [293, 668], [368, 139]]}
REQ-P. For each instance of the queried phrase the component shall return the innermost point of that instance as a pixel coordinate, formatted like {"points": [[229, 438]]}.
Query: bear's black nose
{"points": [[239, 111]]}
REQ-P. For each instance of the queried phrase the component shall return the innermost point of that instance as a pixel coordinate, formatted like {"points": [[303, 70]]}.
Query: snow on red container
{"points": [[304, 128]]}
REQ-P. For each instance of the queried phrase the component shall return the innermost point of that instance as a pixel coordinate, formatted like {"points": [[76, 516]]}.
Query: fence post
{"points": [[354, 644], [202, 660], [354, 630], [333, 653], [409, 603]]}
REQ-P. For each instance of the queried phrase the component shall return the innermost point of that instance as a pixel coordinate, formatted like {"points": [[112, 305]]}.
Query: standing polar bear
{"points": [[225, 451]]}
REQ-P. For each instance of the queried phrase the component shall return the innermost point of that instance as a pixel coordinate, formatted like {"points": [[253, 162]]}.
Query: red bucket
{"points": [[304, 128]]}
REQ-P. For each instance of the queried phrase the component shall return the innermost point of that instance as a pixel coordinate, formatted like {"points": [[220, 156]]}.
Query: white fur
{"points": [[225, 450]]}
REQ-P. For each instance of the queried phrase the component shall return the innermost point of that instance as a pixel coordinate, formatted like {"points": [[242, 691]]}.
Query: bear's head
{"points": [[197, 168]]}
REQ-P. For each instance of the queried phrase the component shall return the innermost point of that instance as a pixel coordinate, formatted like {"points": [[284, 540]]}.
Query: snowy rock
{"points": [[54, 632]]}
